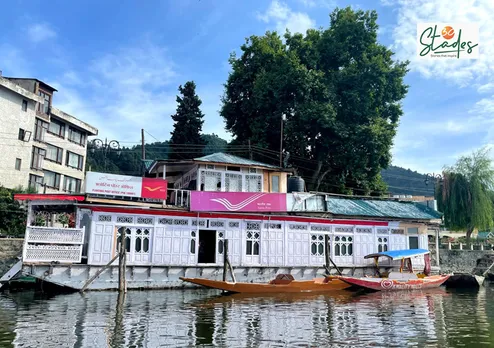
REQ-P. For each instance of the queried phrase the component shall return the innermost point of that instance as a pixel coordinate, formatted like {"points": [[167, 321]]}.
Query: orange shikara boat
{"points": [[283, 283]]}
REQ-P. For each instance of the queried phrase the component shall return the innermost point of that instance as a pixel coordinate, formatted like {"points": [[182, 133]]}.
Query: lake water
{"points": [[437, 318]]}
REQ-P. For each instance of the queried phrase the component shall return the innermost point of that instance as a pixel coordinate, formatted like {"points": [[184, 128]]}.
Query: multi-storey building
{"points": [[42, 147]]}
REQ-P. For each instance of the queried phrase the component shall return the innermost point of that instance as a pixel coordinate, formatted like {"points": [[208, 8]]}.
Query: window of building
{"points": [[37, 158], [76, 136], [18, 162], [233, 169], [317, 245], [413, 242], [253, 242], [40, 128], [382, 244], [52, 179], [24, 105], [57, 128], [45, 105], [71, 184], [22, 132], [253, 183], [35, 181], [275, 183], [54, 153], [74, 160], [343, 246]]}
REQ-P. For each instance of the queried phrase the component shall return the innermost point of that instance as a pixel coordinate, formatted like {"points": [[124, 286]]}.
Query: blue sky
{"points": [[117, 64]]}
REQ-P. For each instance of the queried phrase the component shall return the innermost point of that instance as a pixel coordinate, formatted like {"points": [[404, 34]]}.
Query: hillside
{"points": [[403, 181]]}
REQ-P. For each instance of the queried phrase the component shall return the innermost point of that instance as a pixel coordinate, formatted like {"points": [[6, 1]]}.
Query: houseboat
{"points": [[176, 218]]}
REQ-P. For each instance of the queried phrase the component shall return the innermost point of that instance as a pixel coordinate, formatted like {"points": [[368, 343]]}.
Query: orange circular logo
{"points": [[448, 32]]}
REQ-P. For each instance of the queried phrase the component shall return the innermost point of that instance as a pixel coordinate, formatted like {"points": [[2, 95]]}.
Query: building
{"points": [[42, 147], [271, 229]]}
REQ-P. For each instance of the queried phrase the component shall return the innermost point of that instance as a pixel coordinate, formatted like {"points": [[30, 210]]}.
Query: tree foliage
{"points": [[12, 215], [188, 123], [466, 194], [340, 91]]}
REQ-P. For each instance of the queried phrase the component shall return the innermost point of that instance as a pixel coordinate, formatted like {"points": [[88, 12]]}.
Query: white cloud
{"points": [[318, 3], [488, 87], [40, 32], [279, 14]]}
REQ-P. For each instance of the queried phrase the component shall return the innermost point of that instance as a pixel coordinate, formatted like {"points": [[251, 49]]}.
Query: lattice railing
{"points": [[49, 253], [53, 244], [55, 235]]}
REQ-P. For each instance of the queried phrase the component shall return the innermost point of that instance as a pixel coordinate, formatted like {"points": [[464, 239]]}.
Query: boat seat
{"points": [[282, 279], [402, 276]]}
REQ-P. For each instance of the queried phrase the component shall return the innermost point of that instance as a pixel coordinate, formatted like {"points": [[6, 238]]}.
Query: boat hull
{"points": [[315, 285], [385, 284]]}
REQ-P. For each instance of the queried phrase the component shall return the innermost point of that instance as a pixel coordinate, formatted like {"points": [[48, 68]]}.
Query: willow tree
{"points": [[465, 196]]}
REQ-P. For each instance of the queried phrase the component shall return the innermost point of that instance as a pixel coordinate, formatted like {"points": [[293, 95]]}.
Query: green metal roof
{"points": [[220, 157], [380, 208], [484, 235], [148, 163]]}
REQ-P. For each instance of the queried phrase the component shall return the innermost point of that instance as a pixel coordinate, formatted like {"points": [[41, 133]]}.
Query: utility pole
{"points": [[250, 151], [143, 153], [283, 118]]}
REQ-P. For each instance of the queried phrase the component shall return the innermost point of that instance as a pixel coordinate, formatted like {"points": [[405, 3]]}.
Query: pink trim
{"points": [[234, 216], [384, 284]]}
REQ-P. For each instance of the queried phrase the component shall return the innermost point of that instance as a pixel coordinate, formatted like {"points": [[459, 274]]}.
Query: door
{"points": [[207, 247], [137, 243]]}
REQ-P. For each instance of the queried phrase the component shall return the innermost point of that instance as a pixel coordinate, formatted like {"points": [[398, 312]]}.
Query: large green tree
{"points": [[188, 124], [466, 194], [340, 91]]}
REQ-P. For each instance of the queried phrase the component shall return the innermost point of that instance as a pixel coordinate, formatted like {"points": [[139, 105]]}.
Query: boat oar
{"points": [[488, 269]]}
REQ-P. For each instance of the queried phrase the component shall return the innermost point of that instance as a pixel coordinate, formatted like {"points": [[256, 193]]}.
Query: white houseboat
{"points": [[176, 219]]}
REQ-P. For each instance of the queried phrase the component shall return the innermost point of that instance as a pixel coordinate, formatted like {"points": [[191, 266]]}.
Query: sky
{"points": [[117, 65]]}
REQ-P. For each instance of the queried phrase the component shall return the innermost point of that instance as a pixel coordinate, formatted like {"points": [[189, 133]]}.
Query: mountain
{"points": [[403, 181]]}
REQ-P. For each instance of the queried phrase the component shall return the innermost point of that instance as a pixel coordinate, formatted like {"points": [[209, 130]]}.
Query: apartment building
{"points": [[42, 147]]}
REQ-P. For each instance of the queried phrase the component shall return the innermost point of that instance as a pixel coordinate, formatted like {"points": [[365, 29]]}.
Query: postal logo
{"points": [[453, 41]]}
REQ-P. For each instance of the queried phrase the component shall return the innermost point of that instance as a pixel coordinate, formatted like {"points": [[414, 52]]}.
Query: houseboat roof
{"points": [[380, 208], [398, 254]]}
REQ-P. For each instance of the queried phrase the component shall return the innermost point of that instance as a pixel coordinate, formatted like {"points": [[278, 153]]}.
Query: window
{"points": [[54, 153], [18, 162], [253, 183], [57, 128], [24, 105], [74, 160], [71, 184], [253, 238], [413, 242], [233, 169], [317, 245], [44, 107], [77, 136], [40, 130], [35, 181], [37, 158], [22, 132], [275, 183], [382, 244], [343, 246], [52, 179]]}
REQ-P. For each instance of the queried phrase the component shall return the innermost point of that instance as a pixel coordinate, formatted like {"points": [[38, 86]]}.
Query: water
{"points": [[433, 318]]}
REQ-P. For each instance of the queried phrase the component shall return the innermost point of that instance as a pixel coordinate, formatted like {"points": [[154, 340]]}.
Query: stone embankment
{"points": [[10, 249], [466, 261]]}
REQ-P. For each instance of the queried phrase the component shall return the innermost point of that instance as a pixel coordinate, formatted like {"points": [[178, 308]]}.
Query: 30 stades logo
{"points": [[443, 40]]}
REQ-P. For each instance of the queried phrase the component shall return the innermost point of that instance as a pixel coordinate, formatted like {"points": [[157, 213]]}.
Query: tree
{"points": [[466, 194], [186, 141], [340, 91], [213, 144], [12, 215]]}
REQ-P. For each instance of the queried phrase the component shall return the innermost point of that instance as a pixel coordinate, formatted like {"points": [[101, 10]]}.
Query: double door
{"points": [[137, 243]]}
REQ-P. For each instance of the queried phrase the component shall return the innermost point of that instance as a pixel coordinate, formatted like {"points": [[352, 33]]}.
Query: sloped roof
{"points": [[484, 235], [220, 157], [380, 208], [148, 163]]}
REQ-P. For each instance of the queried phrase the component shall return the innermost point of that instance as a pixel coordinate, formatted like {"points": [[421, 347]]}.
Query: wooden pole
{"points": [[326, 253], [121, 263], [96, 275], [250, 151], [437, 247], [225, 258], [143, 153]]}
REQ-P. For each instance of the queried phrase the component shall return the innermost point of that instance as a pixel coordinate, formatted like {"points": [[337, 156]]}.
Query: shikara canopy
{"points": [[398, 254]]}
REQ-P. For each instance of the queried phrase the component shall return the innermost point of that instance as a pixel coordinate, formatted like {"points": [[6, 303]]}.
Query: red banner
{"points": [[154, 188]]}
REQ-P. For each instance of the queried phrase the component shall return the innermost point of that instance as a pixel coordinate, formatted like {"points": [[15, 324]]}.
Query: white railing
{"points": [[53, 244]]}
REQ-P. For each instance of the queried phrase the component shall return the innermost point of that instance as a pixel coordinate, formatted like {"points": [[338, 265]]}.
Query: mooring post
{"points": [[437, 247], [121, 264], [326, 253], [225, 258]]}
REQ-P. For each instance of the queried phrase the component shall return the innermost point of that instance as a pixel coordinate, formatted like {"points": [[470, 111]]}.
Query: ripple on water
{"points": [[436, 318]]}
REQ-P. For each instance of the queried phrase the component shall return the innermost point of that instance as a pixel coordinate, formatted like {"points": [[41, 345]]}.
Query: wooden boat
{"points": [[283, 283], [405, 279]]}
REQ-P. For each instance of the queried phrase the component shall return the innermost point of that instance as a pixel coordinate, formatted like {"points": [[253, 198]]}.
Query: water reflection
{"points": [[189, 318]]}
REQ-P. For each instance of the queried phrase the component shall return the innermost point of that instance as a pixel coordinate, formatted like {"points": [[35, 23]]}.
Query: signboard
{"points": [[237, 201], [125, 186]]}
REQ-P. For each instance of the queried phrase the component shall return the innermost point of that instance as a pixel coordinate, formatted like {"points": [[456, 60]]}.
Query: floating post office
{"points": [[175, 220]]}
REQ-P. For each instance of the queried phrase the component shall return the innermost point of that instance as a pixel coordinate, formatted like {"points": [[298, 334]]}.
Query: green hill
{"points": [[403, 181]]}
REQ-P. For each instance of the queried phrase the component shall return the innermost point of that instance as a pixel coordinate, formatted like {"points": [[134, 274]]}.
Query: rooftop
{"points": [[220, 157], [380, 208]]}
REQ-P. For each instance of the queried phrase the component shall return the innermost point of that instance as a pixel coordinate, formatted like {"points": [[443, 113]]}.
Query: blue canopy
{"points": [[399, 254]]}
